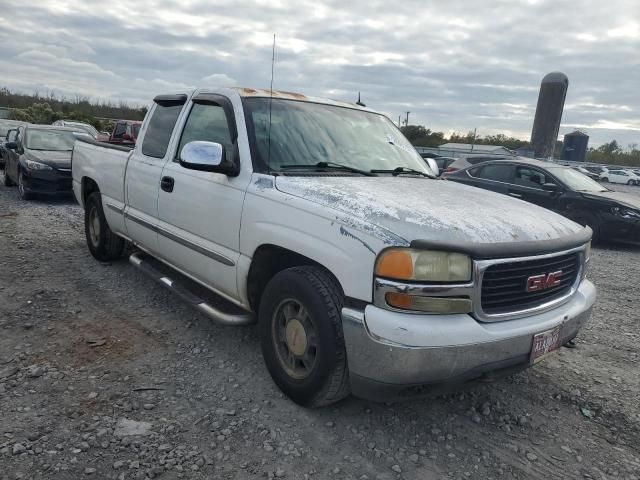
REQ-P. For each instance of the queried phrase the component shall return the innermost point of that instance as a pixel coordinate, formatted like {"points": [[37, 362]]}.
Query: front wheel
{"points": [[6, 181], [22, 189], [301, 335], [605, 180], [103, 244], [631, 182]]}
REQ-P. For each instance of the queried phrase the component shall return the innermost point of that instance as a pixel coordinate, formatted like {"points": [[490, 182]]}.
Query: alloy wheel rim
{"points": [[295, 338]]}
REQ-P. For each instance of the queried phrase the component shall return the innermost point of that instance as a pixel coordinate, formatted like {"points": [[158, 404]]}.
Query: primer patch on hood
{"points": [[417, 208]]}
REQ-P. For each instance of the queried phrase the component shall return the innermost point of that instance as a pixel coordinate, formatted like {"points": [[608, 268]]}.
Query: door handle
{"points": [[167, 183], [516, 195]]}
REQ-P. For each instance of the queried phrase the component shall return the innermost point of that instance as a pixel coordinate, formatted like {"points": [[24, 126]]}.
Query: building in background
{"points": [[553, 91], [574, 147]]}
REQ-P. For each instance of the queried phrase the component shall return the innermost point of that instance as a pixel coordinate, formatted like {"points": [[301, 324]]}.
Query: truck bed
{"points": [[104, 163]]}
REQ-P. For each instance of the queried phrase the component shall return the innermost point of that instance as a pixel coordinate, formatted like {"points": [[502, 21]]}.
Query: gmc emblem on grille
{"points": [[544, 281]]}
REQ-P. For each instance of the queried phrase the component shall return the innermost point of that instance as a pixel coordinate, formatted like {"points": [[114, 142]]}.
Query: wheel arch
{"points": [[267, 261], [88, 186]]}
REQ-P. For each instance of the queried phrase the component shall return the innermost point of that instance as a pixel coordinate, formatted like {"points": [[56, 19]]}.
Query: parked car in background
{"points": [[125, 132], [613, 216], [364, 273], [444, 162], [5, 127], [90, 129], [620, 176], [39, 159], [468, 160], [597, 169], [584, 171]]}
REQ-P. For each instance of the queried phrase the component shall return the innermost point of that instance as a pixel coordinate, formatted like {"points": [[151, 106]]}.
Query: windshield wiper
{"points": [[327, 166], [400, 170]]}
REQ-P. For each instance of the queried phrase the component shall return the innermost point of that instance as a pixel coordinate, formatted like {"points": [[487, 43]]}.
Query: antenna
{"points": [[273, 61], [359, 102]]}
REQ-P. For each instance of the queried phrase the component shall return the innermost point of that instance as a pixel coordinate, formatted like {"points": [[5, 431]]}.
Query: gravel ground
{"points": [[104, 374]]}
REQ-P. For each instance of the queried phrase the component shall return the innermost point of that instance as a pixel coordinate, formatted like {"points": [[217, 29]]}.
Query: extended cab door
{"points": [[200, 211], [142, 178]]}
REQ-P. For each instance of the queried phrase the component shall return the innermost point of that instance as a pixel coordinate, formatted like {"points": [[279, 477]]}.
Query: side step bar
{"points": [[218, 316]]}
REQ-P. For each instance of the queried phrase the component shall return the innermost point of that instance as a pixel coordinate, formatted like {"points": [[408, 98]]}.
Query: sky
{"points": [[455, 65]]}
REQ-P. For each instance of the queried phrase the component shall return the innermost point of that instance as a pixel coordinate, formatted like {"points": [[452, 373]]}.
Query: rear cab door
{"points": [[142, 178], [491, 176], [200, 214]]}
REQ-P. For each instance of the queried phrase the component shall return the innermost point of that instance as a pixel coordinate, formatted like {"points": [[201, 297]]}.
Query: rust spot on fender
{"points": [[249, 91]]}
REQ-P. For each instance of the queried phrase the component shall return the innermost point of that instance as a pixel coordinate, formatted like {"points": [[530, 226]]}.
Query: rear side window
{"points": [[159, 130]]}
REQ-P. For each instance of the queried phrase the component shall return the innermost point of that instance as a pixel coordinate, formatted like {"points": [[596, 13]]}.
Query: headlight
{"points": [[625, 212], [31, 165], [423, 265]]}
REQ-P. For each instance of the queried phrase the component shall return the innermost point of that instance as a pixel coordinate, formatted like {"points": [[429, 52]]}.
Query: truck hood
{"points": [[621, 198], [435, 210]]}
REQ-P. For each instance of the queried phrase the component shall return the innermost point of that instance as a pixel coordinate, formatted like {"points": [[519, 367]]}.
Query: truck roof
{"points": [[247, 92]]}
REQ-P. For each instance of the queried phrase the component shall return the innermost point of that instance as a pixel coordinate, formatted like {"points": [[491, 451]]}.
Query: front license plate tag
{"points": [[545, 343]]}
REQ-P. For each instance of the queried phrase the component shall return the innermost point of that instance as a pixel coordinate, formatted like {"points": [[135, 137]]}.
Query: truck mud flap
{"points": [[218, 309]]}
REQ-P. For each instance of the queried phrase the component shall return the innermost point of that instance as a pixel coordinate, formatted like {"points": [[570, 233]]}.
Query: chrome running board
{"points": [[159, 274]]}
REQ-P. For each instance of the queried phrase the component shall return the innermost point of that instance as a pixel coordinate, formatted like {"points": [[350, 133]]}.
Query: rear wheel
{"points": [[302, 338], [22, 189], [605, 179], [103, 244]]}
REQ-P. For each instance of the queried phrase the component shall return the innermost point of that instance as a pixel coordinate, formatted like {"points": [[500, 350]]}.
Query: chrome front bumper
{"points": [[407, 354]]}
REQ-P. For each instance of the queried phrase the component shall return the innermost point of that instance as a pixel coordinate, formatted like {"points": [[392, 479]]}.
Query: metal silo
{"points": [[574, 147], [546, 124]]}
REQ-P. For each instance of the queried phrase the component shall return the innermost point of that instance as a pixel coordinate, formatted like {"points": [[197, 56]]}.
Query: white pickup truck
{"points": [[319, 221]]}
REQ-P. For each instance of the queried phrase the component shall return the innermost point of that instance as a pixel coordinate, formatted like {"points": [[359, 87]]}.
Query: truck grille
{"points": [[504, 285]]}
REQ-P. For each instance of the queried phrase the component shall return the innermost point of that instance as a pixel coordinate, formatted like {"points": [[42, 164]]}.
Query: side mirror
{"points": [[206, 157], [433, 165], [11, 145], [550, 187]]}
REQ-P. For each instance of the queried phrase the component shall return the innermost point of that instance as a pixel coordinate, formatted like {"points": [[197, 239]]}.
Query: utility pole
{"points": [[473, 142], [406, 122]]}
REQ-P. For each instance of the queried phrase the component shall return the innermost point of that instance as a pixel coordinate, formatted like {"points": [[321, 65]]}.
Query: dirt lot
{"points": [[105, 374]]}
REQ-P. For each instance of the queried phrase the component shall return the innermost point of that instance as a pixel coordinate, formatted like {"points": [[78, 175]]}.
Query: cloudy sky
{"points": [[455, 65]]}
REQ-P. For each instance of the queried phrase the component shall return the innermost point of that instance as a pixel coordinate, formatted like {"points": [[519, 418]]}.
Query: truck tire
{"points": [[301, 333], [103, 244]]}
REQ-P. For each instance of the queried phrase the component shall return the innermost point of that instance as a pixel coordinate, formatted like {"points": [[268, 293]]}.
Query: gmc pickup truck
{"points": [[319, 221]]}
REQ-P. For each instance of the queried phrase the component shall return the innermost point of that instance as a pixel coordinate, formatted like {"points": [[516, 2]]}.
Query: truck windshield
{"points": [[307, 134], [50, 140]]}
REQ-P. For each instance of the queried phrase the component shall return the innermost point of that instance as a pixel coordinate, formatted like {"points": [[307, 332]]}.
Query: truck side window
{"points": [[159, 129], [119, 130], [208, 123]]}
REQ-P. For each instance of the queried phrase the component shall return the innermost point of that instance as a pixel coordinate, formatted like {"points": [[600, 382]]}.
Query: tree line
{"points": [[47, 108], [609, 153]]}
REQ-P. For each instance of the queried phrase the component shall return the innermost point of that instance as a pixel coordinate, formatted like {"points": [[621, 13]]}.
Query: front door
{"points": [[528, 185], [142, 180], [200, 214]]}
